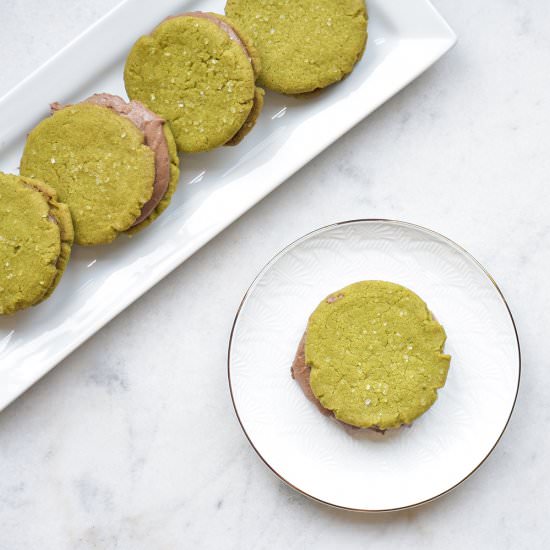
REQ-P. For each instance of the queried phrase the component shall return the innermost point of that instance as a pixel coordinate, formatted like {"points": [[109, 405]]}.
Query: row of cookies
{"points": [[104, 166], [88, 172], [199, 70]]}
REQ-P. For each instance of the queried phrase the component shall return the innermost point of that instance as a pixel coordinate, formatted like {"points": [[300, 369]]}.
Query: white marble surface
{"points": [[132, 443]]}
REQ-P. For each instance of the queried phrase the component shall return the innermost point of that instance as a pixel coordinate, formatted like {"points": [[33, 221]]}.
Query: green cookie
{"points": [[304, 45], [36, 236], [251, 120], [197, 72], [376, 355], [98, 163]]}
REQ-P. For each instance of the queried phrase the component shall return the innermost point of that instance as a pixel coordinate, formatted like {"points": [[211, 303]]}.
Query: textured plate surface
{"points": [[406, 37], [359, 469]]}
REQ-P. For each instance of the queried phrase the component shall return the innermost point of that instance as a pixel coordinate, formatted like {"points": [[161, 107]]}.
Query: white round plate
{"points": [[362, 470]]}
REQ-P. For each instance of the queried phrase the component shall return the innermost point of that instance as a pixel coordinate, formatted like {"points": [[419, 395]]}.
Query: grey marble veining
{"points": [[132, 443]]}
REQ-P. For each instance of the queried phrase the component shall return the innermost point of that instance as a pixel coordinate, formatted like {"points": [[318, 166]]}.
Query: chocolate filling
{"points": [[301, 373], [152, 127]]}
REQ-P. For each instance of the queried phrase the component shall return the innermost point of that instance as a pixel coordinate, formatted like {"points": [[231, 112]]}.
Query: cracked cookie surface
{"points": [[375, 354], [197, 76], [303, 45]]}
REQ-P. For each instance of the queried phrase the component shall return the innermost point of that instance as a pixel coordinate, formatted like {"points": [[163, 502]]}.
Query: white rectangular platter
{"points": [[405, 38]]}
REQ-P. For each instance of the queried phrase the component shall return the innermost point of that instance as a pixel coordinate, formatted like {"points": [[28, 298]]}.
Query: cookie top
{"points": [[194, 71], [303, 45], [376, 355], [99, 165], [160, 139], [35, 242]]}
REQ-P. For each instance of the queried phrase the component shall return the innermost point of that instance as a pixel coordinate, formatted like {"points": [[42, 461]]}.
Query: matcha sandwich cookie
{"points": [[304, 45], [36, 236], [372, 356], [114, 163], [198, 71]]}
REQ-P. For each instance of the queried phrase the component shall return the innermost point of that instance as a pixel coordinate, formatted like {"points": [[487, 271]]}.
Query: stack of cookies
{"points": [[106, 166], [372, 356]]}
